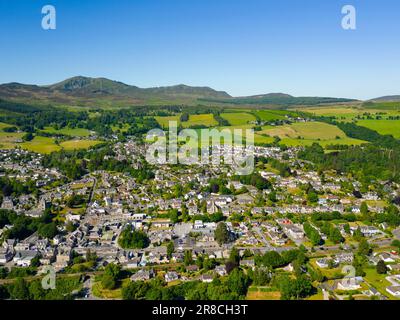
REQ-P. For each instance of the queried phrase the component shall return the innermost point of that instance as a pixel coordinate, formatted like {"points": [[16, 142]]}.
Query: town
{"points": [[124, 236]]}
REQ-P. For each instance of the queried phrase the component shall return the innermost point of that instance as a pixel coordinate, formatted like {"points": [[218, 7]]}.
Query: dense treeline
{"points": [[255, 180], [75, 164], [366, 163], [24, 226]]}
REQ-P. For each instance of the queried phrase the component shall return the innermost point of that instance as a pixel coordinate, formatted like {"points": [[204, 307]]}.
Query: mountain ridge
{"points": [[88, 91]]}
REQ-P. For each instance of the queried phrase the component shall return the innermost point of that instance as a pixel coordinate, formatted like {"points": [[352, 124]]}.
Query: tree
{"points": [[20, 290], [48, 230], [187, 258], [221, 233], [28, 136], [173, 215], [111, 276], [381, 267], [234, 256], [364, 248], [170, 249], [133, 239], [238, 282]]}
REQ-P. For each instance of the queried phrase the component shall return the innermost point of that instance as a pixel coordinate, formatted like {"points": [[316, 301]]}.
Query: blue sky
{"points": [[244, 47]]}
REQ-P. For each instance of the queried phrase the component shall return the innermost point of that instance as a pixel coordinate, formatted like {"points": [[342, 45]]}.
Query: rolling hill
{"points": [[86, 91]]}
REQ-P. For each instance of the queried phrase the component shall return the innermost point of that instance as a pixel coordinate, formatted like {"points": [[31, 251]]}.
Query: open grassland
{"points": [[271, 115], [382, 126], [305, 130], [349, 113], [8, 140], [4, 125], [238, 118], [164, 121], [78, 144], [306, 133], [200, 119], [73, 132], [41, 145]]}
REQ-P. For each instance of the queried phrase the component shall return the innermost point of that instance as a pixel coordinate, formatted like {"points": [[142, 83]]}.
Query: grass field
{"points": [[78, 144], [259, 293], [305, 130], [8, 140], [378, 281], [75, 132], [306, 133], [200, 119], [238, 118], [41, 145], [271, 115], [163, 121], [382, 126]]}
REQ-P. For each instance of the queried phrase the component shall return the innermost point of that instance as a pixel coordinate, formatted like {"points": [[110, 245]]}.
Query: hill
{"points": [[387, 98], [102, 92]]}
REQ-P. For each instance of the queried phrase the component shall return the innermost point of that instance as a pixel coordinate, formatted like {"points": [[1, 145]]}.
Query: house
{"points": [[323, 263], [192, 268], [394, 291], [351, 283], [394, 267], [206, 278], [24, 258], [221, 270], [248, 263], [161, 224], [143, 275], [5, 255], [171, 276], [344, 258], [386, 257]]}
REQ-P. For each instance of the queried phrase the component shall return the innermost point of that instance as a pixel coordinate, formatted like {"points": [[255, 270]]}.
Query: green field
{"points": [[200, 119], [41, 145], [75, 132], [306, 133], [238, 118], [78, 144], [271, 115], [382, 126], [305, 130], [164, 121]]}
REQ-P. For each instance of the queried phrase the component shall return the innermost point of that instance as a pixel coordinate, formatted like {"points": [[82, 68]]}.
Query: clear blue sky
{"points": [[244, 47]]}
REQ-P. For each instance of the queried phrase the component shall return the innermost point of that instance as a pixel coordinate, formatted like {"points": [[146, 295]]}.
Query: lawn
{"points": [[378, 281], [382, 126], [238, 118], [78, 144], [41, 145], [73, 132]]}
